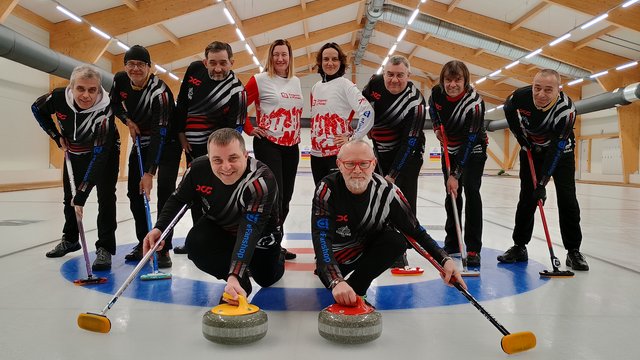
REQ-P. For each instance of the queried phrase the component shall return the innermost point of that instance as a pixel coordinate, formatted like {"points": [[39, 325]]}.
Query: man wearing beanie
{"points": [[145, 104], [210, 98]]}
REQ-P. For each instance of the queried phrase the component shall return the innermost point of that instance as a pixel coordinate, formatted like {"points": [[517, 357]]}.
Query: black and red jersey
{"points": [[90, 132], [151, 108], [205, 105], [549, 129], [245, 209], [463, 120], [341, 222], [399, 121]]}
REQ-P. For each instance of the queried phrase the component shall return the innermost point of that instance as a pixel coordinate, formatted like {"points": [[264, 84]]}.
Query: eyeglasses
{"points": [[136, 64], [362, 164]]}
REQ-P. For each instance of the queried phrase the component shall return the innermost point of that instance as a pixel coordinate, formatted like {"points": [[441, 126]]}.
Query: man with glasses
{"points": [[357, 223], [211, 97], [397, 132], [145, 104]]}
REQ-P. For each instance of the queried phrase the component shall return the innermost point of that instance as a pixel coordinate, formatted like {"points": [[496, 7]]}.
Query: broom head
{"points": [[518, 342], [94, 322]]}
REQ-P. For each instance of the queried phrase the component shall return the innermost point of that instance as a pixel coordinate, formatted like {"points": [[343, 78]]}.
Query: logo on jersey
{"points": [[204, 189], [342, 218], [190, 93], [194, 81], [61, 116], [524, 112], [319, 102], [225, 110], [375, 95], [438, 107], [123, 95], [343, 231]]}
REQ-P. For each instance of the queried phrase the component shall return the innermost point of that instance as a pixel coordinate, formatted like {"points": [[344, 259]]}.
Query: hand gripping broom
{"points": [[100, 322]]}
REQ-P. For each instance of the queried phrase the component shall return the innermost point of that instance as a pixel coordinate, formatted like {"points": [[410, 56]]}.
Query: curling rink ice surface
{"points": [[594, 315]]}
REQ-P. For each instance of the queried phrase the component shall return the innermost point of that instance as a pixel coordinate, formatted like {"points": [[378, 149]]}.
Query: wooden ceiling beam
{"points": [[453, 5], [168, 34], [586, 58], [623, 17], [530, 14], [32, 18], [589, 39], [6, 7], [131, 4], [463, 53]]}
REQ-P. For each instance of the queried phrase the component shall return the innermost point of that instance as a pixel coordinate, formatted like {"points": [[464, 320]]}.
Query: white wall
{"points": [[24, 147]]}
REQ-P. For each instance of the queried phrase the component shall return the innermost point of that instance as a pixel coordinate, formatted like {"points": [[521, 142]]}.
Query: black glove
{"points": [[540, 193]]}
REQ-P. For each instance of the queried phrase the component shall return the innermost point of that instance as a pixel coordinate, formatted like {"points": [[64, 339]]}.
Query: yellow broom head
{"points": [[518, 342], [94, 322]]}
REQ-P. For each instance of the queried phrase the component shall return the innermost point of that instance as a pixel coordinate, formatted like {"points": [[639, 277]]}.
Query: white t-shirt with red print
{"points": [[278, 107], [333, 106]]}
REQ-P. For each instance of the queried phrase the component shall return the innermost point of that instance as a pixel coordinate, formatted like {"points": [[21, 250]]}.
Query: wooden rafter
{"points": [[131, 4], [589, 39], [6, 7], [453, 5], [33, 18], [585, 58], [466, 54], [168, 34], [627, 17], [530, 14]]}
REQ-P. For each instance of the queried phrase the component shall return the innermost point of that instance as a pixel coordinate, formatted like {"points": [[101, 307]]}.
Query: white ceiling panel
{"points": [[285, 32], [332, 18], [197, 21], [146, 36], [557, 21], [617, 47], [503, 10], [47, 8], [247, 9]]}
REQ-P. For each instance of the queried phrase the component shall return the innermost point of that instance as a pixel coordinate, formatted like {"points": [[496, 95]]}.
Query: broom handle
{"points": [[147, 209], [457, 285], [146, 257], [454, 204], [83, 240], [555, 263]]}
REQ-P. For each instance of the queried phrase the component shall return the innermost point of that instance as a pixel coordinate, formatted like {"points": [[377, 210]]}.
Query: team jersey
{"points": [[205, 105], [549, 129], [278, 107], [341, 222], [463, 120], [87, 132], [399, 122], [244, 209], [151, 108], [333, 105]]}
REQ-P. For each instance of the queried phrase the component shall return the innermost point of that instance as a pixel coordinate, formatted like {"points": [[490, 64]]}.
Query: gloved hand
{"points": [[540, 193]]}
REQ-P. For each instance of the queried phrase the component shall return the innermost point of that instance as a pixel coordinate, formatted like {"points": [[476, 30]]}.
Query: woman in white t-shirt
{"points": [[334, 102], [278, 99]]}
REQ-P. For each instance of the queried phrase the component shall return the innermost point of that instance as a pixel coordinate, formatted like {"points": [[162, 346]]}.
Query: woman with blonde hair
{"points": [[277, 95]]}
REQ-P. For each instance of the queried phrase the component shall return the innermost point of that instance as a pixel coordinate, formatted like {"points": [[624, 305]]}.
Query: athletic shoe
{"points": [[288, 255], [164, 259], [576, 261], [180, 250], [102, 261], [401, 262], [516, 253], [473, 259], [135, 254], [64, 247]]}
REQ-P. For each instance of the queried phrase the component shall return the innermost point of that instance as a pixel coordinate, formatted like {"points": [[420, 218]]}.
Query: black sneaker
{"points": [[288, 255], [516, 253], [576, 261], [401, 262], [473, 259], [164, 260], [135, 254], [102, 261], [64, 247], [180, 250]]}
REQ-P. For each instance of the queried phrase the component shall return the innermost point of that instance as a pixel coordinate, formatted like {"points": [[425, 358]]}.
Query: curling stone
{"points": [[231, 324], [350, 324]]}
